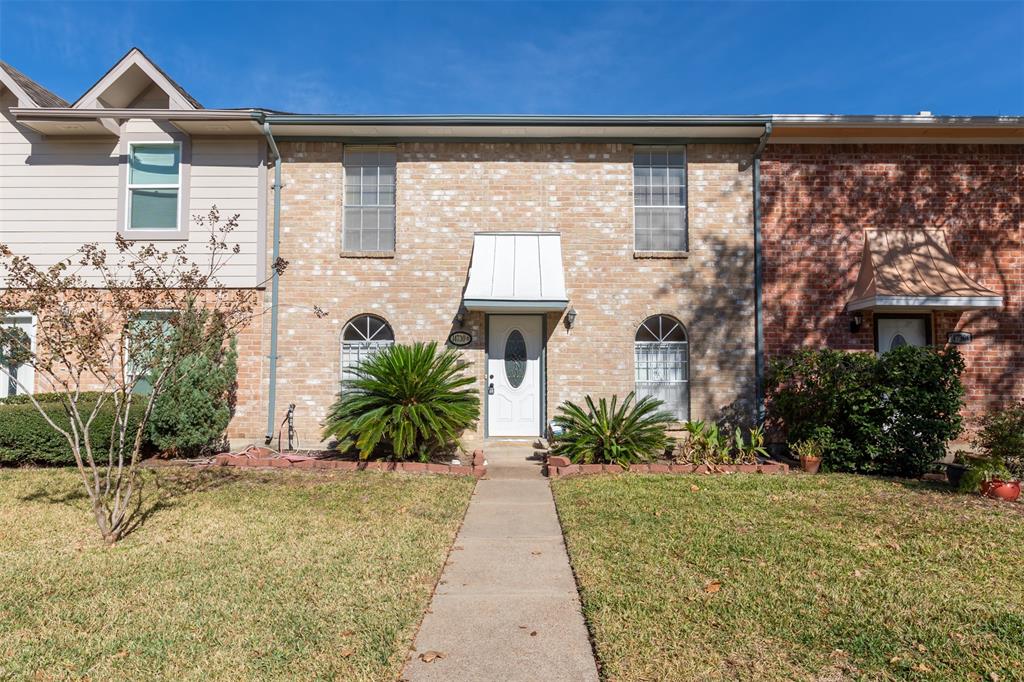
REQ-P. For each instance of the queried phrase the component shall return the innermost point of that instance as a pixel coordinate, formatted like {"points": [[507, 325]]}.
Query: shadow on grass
{"points": [[953, 498], [154, 491]]}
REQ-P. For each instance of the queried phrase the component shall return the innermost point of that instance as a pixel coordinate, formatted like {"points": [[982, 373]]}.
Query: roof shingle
{"points": [[40, 95]]}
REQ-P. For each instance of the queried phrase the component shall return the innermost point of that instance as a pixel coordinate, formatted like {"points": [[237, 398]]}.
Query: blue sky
{"points": [[558, 58]]}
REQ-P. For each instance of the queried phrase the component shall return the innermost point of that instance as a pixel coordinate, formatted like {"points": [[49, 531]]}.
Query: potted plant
{"points": [[809, 451], [998, 472], [992, 477]]}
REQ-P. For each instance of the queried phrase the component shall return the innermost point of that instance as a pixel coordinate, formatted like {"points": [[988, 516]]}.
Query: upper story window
{"points": [[369, 220], [154, 186], [659, 191]]}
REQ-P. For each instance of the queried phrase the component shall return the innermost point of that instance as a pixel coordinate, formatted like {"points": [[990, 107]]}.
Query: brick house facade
{"points": [[446, 192], [817, 200], [628, 249]]}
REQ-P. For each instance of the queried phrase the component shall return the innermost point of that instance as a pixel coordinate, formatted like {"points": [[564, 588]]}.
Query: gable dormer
{"points": [[135, 82]]}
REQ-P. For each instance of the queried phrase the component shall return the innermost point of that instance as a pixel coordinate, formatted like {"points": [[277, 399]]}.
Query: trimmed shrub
{"points": [[406, 401], [26, 437], [191, 415], [610, 433], [889, 415]]}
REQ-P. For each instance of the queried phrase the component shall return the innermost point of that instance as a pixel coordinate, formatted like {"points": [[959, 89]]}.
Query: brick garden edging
{"points": [[560, 467], [256, 457]]}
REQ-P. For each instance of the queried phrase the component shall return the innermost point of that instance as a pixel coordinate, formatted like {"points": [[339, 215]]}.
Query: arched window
{"points": [[363, 336], [662, 355]]}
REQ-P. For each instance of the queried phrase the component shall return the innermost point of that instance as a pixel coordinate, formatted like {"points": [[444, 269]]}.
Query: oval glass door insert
{"points": [[515, 358]]}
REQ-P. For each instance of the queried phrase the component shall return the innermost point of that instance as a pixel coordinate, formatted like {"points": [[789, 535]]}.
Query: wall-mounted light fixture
{"points": [[460, 317], [855, 322], [570, 318]]}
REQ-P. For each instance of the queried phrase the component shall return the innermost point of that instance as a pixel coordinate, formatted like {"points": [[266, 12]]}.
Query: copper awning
{"points": [[913, 268]]}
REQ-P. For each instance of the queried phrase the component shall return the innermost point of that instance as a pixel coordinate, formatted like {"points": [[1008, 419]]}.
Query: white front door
{"points": [[514, 385], [901, 331], [16, 379]]}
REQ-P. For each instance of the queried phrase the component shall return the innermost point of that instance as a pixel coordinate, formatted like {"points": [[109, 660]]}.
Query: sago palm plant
{"points": [[414, 399], [612, 433]]}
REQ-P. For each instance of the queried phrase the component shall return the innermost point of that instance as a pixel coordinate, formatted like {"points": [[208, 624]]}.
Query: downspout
{"points": [[758, 279], [275, 282]]}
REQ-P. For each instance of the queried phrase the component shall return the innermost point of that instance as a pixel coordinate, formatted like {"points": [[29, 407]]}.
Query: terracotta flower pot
{"points": [[1001, 490], [810, 464]]}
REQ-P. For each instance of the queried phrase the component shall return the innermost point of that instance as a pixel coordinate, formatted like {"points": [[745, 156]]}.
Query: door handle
{"points": [[490, 388]]}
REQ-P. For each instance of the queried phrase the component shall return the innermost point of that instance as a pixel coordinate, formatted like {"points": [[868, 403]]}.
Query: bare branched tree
{"points": [[116, 324]]}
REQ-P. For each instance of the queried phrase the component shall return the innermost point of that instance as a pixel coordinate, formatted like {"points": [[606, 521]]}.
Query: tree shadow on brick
{"points": [[816, 203], [720, 324]]}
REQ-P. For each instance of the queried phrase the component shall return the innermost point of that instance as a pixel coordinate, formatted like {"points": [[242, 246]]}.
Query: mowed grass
{"points": [[795, 577], [233, 576]]}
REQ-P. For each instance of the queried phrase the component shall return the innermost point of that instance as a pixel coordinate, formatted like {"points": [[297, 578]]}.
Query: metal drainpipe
{"points": [[275, 282], [758, 278]]}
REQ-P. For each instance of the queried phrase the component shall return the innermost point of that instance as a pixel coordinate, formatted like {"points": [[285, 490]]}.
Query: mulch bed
{"points": [[260, 457]]}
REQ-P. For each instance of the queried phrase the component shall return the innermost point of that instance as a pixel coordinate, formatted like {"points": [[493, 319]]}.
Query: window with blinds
{"points": [[659, 194], [369, 220], [154, 186]]}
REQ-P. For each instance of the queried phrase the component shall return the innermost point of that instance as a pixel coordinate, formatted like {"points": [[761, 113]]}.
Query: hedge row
{"points": [[891, 414], [26, 437]]}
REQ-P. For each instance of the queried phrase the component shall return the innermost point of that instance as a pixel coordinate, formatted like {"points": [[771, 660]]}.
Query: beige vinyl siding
{"points": [[56, 194]]}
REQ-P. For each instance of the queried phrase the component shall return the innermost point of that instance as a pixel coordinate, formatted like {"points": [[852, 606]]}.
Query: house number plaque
{"points": [[460, 339], [959, 338]]}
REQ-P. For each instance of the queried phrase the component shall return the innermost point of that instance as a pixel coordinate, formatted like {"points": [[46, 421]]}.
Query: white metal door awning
{"points": [[516, 272]]}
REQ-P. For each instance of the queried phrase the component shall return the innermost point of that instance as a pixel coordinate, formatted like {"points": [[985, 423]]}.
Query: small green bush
{"points": [[610, 433], [711, 444], [890, 415], [26, 437], [1001, 438], [191, 415], [406, 401]]}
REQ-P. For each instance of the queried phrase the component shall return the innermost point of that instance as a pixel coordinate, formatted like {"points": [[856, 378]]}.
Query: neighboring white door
{"points": [[12, 376], [514, 346], [901, 331]]}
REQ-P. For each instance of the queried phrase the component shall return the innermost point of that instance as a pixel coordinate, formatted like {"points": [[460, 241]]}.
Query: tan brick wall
{"points": [[448, 191]]}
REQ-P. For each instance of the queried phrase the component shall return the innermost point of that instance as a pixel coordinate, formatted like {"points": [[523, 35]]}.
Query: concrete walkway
{"points": [[506, 608]]}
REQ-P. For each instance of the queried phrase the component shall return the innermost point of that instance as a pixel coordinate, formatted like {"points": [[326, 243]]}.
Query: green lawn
{"points": [[795, 577], [234, 576]]}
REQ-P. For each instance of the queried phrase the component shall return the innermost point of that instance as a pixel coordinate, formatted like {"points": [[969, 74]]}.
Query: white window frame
{"points": [[29, 383], [683, 383], [129, 186], [683, 208], [362, 349]]}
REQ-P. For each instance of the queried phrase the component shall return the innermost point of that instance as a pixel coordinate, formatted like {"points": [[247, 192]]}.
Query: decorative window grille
{"points": [[362, 338], [662, 360]]}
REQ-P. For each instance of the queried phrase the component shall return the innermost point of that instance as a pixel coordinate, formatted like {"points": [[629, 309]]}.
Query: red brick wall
{"points": [[818, 199]]}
